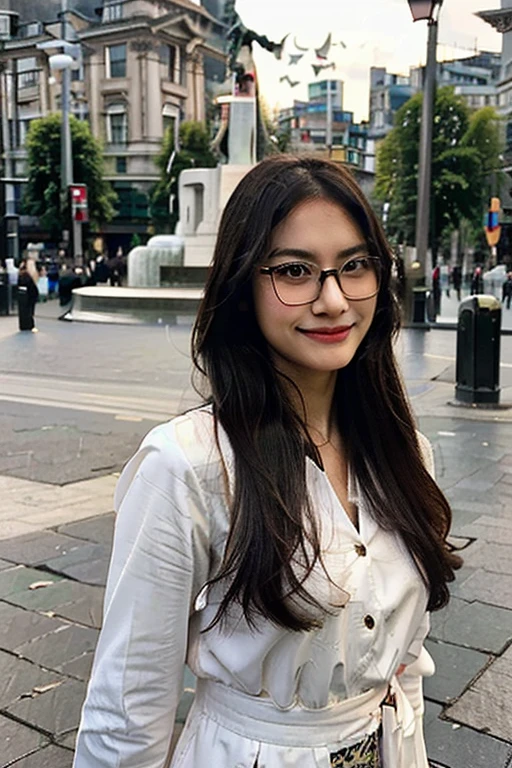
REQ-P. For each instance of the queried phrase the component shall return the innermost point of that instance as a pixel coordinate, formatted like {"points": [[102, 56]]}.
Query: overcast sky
{"points": [[378, 33]]}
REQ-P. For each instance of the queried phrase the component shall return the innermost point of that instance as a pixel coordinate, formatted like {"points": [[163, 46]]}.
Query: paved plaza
{"points": [[61, 451]]}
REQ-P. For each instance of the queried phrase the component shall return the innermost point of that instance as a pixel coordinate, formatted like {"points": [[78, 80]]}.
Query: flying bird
{"points": [[317, 68], [343, 45], [299, 47], [295, 58], [324, 49], [286, 79]]}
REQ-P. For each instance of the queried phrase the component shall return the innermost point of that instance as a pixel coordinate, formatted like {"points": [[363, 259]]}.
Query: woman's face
{"points": [[322, 337]]}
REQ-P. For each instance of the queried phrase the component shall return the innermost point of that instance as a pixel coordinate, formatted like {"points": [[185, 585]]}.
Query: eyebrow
{"points": [[304, 254]]}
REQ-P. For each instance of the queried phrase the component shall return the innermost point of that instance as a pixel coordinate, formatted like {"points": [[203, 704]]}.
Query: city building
{"points": [[321, 124], [139, 70], [475, 78], [388, 92], [501, 20]]}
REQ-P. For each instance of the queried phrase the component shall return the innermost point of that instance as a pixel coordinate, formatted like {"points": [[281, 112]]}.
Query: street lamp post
{"points": [[425, 10]]}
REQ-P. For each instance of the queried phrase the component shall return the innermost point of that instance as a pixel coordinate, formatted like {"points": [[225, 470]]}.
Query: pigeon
{"points": [[324, 49], [286, 79], [317, 68], [299, 47], [295, 58]]}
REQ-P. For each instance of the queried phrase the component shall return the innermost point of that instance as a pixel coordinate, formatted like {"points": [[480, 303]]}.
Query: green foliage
{"points": [[42, 196], [465, 151], [194, 152]]}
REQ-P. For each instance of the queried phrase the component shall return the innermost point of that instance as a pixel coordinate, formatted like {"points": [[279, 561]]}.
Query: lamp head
{"points": [[60, 61], [423, 10]]}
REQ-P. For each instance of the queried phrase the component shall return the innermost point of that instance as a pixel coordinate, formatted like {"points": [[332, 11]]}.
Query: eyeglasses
{"points": [[299, 282]]}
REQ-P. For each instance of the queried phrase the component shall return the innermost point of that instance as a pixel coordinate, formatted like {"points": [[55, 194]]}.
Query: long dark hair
{"points": [[272, 527]]}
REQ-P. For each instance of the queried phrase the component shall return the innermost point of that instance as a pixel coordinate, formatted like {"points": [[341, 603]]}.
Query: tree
{"points": [[194, 152], [465, 150], [42, 196]]}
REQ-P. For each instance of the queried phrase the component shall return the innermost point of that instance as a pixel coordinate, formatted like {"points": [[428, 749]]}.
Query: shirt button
{"points": [[369, 621], [360, 549]]}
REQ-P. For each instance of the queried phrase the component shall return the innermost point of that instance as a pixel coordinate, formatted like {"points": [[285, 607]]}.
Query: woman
{"points": [[28, 295], [285, 540]]}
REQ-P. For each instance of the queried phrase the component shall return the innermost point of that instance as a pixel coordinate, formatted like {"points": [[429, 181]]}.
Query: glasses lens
{"points": [[296, 282], [299, 282], [360, 278]]}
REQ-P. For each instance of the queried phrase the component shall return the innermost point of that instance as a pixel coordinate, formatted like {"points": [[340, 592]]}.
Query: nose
{"points": [[331, 299]]}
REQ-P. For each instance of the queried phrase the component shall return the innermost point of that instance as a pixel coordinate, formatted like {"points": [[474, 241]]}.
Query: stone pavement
{"points": [[54, 549]]}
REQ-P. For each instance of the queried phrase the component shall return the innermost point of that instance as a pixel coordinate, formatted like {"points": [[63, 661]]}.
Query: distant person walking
{"points": [[457, 280], [28, 295], [506, 296], [436, 288], [477, 281]]}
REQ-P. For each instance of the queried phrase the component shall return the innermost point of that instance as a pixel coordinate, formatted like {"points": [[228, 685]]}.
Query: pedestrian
{"points": [[477, 281], [101, 270], [286, 539], [507, 291], [457, 280], [28, 295], [436, 288]]}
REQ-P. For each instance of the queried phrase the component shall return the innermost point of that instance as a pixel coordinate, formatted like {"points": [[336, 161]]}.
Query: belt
{"points": [[258, 718]]}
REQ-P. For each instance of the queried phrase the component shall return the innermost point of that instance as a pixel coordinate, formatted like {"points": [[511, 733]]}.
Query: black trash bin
{"points": [[5, 294], [478, 350], [419, 303], [25, 307]]}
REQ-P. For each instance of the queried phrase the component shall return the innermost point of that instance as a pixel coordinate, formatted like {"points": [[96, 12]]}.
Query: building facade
{"points": [[321, 124], [475, 78], [501, 20], [139, 70], [388, 92]]}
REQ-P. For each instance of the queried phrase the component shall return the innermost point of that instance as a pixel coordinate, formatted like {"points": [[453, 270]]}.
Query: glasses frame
{"points": [[324, 274]]}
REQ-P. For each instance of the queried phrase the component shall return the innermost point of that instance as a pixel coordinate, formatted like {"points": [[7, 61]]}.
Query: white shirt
{"points": [[170, 536]]}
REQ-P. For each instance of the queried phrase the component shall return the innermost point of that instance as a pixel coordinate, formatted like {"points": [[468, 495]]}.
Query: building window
{"points": [[170, 120], [121, 164], [5, 27], [27, 72], [116, 60], [117, 124], [169, 57], [112, 11]]}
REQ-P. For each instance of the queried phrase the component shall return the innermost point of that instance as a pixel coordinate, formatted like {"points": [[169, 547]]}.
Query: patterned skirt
{"points": [[364, 754]]}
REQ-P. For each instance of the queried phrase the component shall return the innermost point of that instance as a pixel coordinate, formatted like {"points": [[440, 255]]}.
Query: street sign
{"points": [[79, 203]]}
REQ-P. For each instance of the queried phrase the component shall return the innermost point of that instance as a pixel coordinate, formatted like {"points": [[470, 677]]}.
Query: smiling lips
{"points": [[328, 335]]}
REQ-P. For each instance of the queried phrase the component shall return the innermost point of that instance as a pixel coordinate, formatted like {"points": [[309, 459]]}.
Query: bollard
{"points": [[478, 350]]}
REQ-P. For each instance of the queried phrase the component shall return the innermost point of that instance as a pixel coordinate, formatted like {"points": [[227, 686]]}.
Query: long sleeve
{"points": [[159, 558]]}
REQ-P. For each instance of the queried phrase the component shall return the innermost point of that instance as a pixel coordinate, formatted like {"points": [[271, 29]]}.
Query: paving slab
{"points": [[50, 757], [81, 552], [492, 557], [60, 593], [10, 528], [17, 741], [66, 644], [461, 747], [80, 668], [491, 588], [18, 580], [36, 548], [456, 667], [486, 704], [99, 529], [91, 572], [87, 608], [18, 626], [69, 740], [5, 564], [56, 712], [485, 628], [20, 678]]}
